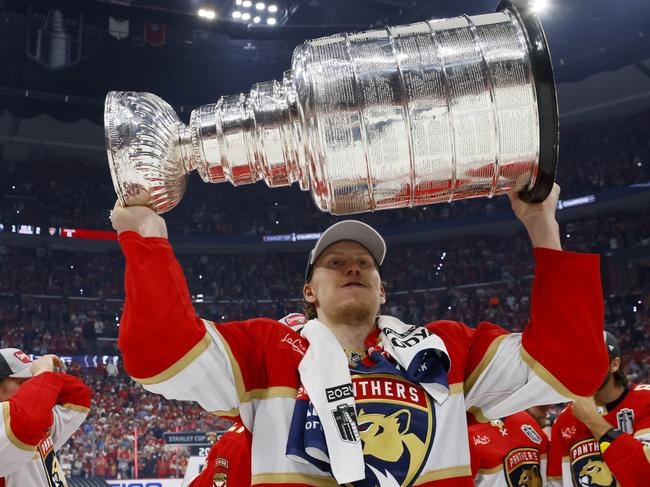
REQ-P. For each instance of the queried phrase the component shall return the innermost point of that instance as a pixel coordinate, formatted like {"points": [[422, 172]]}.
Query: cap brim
{"points": [[23, 374], [354, 231]]}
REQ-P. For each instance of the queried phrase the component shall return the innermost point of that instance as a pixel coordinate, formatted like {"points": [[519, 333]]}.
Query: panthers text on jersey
{"points": [[508, 452], [574, 455], [250, 369]]}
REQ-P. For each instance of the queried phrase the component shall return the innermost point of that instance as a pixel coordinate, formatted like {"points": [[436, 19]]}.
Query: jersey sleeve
{"points": [[25, 420], [561, 352], [628, 456], [73, 406], [171, 351], [628, 459]]}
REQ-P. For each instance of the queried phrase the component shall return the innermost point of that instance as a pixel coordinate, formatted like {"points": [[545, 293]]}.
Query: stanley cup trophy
{"points": [[417, 114]]}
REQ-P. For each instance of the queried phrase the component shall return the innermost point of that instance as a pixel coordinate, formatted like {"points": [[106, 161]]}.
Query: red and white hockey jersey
{"points": [[508, 452], [45, 411], [229, 461], [250, 369], [574, 455]]}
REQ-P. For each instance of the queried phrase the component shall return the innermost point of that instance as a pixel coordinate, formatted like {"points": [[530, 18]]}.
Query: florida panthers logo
{"points": [[522, 467], [587, 466], [397, 434]]}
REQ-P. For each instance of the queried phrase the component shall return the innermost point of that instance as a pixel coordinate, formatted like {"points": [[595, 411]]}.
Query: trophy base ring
{"points": [[542, 67]]}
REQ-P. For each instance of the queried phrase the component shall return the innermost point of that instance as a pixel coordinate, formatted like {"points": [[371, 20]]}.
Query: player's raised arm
{"points": [[561, 352]]}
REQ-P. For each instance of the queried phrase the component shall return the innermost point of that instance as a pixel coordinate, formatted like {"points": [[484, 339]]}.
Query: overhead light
{"points": [[245, 16], [236, 14], [260, 6], [207, 14], [540, 6], [257, 19], [237, 2], [247, 3], [273, 8], [271, 21]]}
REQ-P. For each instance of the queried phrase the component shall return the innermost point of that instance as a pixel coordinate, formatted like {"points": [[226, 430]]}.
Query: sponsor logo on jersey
{"points": [[625, 420], [568, 432], [588, 467], [522, 467], [295, 343], [530, 432], [481, 440]]}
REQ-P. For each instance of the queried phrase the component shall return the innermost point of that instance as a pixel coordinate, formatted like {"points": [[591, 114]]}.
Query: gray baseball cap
{"points": [[353, 230], [14, 363]]}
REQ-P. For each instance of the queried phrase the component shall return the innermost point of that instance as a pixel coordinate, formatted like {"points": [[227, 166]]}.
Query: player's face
{"points": [[345, 284], [9, 387]]}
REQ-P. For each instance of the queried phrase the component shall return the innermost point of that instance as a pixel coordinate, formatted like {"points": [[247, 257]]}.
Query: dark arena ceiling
{"points": [[166, 47]]}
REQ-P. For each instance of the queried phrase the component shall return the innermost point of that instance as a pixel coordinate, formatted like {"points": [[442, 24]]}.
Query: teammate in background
{"points": [[229, 460], [508, 452], [40, 409], [603, 440], [357, 397]]}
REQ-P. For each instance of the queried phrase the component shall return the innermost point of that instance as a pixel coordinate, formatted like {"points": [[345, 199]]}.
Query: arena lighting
{"points": [[260, 6], [237, 2], [540, 5], [273, 8], [236, 14], [247, 4], [271, 21], [257, 19], [207, 14], [245, 16]]}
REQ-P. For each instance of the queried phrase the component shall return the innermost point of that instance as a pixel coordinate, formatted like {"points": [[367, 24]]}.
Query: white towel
{"points": [[325, 375]]}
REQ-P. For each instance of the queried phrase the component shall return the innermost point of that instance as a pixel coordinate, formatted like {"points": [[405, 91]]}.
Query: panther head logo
{"points": [[387, 438], [530, 477], [596, 472]]}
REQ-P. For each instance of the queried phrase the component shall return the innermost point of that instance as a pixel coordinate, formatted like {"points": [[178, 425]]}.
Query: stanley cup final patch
{"points": [[346, 422]]}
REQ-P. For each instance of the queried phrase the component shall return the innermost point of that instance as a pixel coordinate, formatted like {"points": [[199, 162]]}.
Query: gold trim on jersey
{"points": [[487, 471], [293, 478], [456, 388], [444, 473], [477, 412], [234, 365], [646, 450], [553, 477], [6, 416], [487, 358], [242, 393], [76, 408], [231, 412], [545, 375], [180, 365], [275, 391]]}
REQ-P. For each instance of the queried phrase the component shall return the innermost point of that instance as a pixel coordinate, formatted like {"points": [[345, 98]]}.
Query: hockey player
{"points": [[508, 451], [229, 460], [40, 409], [604, 440], [390, 411]]}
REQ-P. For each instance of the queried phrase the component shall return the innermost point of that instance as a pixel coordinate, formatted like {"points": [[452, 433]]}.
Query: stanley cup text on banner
{"points": [[390, 118]]}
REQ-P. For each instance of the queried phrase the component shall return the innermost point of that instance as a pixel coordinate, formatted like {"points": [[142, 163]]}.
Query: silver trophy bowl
{"points": [[403, 116]]}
